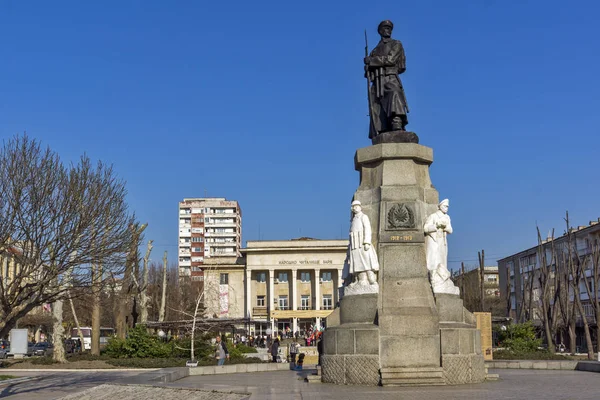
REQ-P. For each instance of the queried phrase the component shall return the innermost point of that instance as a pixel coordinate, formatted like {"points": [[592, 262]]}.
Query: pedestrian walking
{"points": [[221, 352]]}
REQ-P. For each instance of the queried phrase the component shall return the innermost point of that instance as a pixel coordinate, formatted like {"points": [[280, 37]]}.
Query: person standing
{"points": [[221, 352], [275, 350], [293, 352]]}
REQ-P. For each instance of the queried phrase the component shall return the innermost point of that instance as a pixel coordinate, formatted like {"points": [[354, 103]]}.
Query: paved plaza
{"points": [[514, 384]]}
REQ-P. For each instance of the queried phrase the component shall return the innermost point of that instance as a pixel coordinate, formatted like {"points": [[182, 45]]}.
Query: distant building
{"points": [[470, 289], [292, 283], [224, 287], [519, 272], [208, 227], [471, 279]]}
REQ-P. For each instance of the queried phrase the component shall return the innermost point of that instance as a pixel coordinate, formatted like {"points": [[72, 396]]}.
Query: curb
{"points": [[8, 370]]}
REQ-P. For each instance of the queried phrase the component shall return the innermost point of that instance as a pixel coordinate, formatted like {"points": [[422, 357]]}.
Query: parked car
{"points": [[42, 349]]}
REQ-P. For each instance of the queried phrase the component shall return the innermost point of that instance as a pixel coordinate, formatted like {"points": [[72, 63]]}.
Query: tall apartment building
{"points": [[208, 227]]}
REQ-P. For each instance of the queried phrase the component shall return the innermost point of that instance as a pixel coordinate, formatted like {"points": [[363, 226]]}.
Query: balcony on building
{"points": [[184, 271], [220, 234], [186, 263], [185, 244], [187, 232]]}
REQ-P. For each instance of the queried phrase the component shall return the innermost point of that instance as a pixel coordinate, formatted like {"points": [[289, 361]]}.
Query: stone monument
{"points": [[413, 331]]}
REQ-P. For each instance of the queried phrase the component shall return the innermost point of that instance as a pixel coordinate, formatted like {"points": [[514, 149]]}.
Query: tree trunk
{"points": [[163, 299], [586, 328], [96, 291], [136, 231], [572, 337], [58, 332], [79, 333], [549, 337], [194, 325], [144, 286]]}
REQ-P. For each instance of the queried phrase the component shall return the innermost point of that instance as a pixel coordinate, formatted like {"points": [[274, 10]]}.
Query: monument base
{"points": [[396, 137], [462, 359], [351, 349]]}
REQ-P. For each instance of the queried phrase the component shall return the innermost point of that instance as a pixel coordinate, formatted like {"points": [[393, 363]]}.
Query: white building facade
{"points": [[208, 227], [292, 283]]}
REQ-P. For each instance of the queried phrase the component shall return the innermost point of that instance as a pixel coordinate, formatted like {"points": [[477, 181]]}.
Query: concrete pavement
{"points": [[513, 384]]}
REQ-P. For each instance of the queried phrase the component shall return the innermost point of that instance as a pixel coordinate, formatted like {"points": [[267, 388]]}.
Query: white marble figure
{"points": [[437, 227], [361, 261]]}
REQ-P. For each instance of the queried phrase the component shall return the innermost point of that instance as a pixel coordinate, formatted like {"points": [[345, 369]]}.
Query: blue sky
{"points": [[264, 102]]}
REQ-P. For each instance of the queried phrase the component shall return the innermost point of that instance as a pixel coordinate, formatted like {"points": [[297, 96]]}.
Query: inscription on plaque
{"points": [[401, 237]]}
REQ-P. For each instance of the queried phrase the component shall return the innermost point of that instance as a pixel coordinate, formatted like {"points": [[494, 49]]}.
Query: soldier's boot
{"points": [[371, 277], [397, 124], [363, 278]]}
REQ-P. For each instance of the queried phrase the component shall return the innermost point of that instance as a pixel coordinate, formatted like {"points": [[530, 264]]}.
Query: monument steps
{"points": [[412, 376]]}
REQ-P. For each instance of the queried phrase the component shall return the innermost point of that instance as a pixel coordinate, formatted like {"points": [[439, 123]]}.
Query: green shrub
{"points": [[138, 344], [520, 338], [147, 362], [246, 349], [532, 355]]}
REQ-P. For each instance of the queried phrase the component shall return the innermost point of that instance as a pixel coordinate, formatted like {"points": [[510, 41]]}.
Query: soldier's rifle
{"points": [[370, 77]]}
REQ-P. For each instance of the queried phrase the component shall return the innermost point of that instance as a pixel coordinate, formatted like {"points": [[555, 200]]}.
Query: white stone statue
{"points": [[361, 261], [437, 227]]}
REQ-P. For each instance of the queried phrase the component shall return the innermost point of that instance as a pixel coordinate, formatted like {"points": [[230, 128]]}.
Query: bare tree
{"points": [[163, 298], [51, 215], [591, 286], [135, 236], [545, 279], [576, 264], [143, 287]]}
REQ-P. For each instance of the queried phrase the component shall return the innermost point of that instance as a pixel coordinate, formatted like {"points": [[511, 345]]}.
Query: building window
{"points": [[260, 301], [305, 276], [327, 302], [224, 279], [197, 239], [197, 249], [283, 302], [198, 278], [261, 277], [305, 303], [282, 277], [326, 276]]}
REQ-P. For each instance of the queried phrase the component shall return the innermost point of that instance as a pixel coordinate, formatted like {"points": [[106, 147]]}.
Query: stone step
{"points": [[413, 382], [412, 376], [318, 370], [313, 379]]}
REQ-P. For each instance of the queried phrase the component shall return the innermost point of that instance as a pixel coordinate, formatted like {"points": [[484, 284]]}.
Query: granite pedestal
{"points": [[414, 334]]}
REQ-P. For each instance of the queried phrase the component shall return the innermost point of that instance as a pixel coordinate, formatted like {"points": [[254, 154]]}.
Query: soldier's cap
{"points": [[387, 22], [355, 203]]}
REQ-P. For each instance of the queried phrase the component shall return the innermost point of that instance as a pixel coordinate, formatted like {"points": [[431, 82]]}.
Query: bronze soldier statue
{"points": [[387, 99]]}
